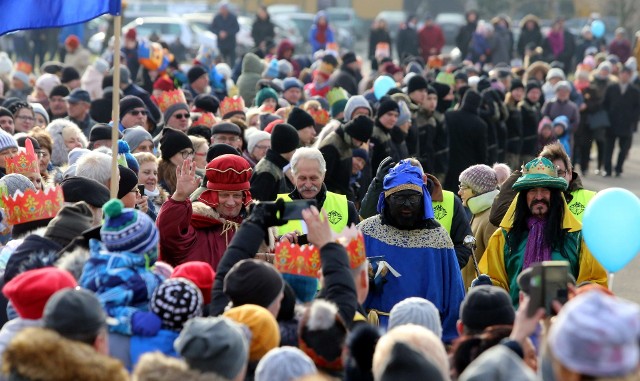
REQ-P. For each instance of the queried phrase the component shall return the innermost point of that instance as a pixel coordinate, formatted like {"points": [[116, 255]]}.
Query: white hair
{"points": [[59, 154], [308, 153], [95, 166]]}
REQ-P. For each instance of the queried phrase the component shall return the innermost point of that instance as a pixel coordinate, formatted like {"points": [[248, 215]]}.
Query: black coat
{"points": [[463, 39], [268, 179], [514, 130], [566, 57], [347, 79], [381, 142], [407, 43], [154, 111], [229, 25], [529, 36], [624, 109], [338, 157], [531, 116], [262, 30]]}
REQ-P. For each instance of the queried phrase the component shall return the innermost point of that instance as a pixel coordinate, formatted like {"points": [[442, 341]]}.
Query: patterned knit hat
{"points": [[175, 301], [7, 141], [126, 229], [480, 178]]}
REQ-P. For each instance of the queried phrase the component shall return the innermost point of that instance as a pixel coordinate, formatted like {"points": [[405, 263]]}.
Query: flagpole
{"points": [[115, 101]]}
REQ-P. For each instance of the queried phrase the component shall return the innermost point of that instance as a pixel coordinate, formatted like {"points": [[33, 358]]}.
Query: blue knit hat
{"points": [[126, 229], [272, 69], [405, 176], [7, 141]]}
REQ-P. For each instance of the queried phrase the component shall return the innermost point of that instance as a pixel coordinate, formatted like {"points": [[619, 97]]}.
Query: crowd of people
{"points": [[206, 267]]}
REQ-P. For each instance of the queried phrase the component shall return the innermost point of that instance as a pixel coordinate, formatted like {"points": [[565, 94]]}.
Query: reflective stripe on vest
{"points": [[579, 200], [335, 205], [443, 210]]}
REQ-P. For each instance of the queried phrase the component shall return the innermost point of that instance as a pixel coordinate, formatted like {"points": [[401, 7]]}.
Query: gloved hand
{"points": [[145, 323], [384, 167], [266, 214], [482, 280]]}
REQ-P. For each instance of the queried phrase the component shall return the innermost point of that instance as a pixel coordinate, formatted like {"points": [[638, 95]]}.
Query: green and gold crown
{"points": [[540, 173]]}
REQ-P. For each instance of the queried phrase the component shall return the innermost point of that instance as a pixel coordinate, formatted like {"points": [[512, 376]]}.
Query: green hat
{"points": [[540, 173], [264, 94]]}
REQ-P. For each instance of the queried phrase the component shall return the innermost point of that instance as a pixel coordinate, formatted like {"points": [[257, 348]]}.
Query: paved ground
{"points": [[625, 283]]}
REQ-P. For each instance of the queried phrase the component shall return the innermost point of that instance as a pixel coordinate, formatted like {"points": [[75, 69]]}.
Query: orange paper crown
{"points": [[24, 67], [33, 206], [26, 161], [231, 105], [169, 98], [305, 260], [206, 119], [320, 116]]}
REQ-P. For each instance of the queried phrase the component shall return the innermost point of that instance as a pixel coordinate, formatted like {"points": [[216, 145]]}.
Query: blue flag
{"points": [[38, 14]]}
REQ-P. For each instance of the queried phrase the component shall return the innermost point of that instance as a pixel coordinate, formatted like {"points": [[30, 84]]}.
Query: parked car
{"points": [[304, 21], [347, 19], [279, 9]]}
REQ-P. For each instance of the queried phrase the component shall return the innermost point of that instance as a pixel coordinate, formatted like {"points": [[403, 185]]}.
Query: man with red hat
{"points": [[201, 231], [77, 56]]}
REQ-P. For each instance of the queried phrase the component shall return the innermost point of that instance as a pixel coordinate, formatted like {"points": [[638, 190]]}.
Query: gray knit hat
{"points": [[480, 178], [356, 102], [284, 364], [405, 113], [14, 182], [135, 136], [7, 141], [417, 311]]}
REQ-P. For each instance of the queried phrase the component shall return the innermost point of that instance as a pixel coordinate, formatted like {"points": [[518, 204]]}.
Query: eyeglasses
{"points": [[180, 116], [562, 172], [463, 187], [186, 153], [28, 118], [262, 147], [225, 139], [138, 112], [401, 200]]}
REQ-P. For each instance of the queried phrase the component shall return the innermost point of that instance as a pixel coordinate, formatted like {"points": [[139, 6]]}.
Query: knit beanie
{"points": [[172, 142], [386, 105], [417, 311], [271, 71], [29, 292], [284, 138], [285, 364], [69, 223], [305, 288], [38, 108], [47, 82], [16, 182], [291, 82], [516, 83], [74, 313], [69, 74], [5, 112], [76, 189], [533, 84], [195, 72], [480, 178], [562, 85], [405, 113], [200, 273], [175, 301], [265, 334], [485, 306], [354, 103], [337, 107], [360, 128], [206, 102], [135, 136], [252, 281], [300, 119], [555, 73], [256, 137], [264, 94], [7, 141], [129, 103], [285, 68], [59, 91], [417, 82], [173, 108], [361, 153], [126, 229], [128, 181]]}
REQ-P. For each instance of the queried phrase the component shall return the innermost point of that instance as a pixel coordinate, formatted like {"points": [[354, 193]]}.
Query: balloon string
{"points": [[611, 281]]}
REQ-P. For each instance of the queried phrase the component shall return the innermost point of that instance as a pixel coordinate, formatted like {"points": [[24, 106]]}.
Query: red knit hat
{"points": [[72, 41], [200, 273], [30, 291], [131, 34], [271, 125], [227, 173]]}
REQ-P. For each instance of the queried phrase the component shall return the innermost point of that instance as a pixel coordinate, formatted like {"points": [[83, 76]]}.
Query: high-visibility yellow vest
{"points": [[579, 200], [336, 206], [443, 210]]}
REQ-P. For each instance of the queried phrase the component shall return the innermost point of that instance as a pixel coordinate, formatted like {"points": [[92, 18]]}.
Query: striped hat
{"points": [[126, 229]]}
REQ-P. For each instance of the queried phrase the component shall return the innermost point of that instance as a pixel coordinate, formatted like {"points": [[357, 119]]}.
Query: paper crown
{"points": [[231, 106], [24, 67], [33, 206], [26, 161], [169, 98], [305, 260], [206, 119], [320, 116]]}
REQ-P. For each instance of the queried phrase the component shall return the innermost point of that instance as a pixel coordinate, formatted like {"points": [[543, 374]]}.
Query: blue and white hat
{"points": [[7, 141], [127, 229]]}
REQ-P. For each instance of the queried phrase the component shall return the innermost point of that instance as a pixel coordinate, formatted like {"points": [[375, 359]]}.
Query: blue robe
{"points": [[426, 261]]}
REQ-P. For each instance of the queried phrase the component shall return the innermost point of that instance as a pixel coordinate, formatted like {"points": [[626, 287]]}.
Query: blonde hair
{"points": [[197, 141], [145, 157]]}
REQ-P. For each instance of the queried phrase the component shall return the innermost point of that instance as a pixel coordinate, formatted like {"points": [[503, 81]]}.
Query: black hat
{"points": [[100, 110], [533, 84], [265, 119], [101, 131], [300, 119], [441, 89], [252, 281], [51, 67], [21, 140], [78, 95], [128, 181], [284, 138], [417, 82], [69, 223], [200, 130], [195, 72], [5, 112], [349, 57], [431, 90], [77, 188], [74, 313], [362, 344], [226, 128], [461, 75], [360, 128], [471, 101], [220, 149], [483, 84], [207, 102], [60, 91], [485, 306], [172, 142], [69, 74], [129, 103], [516, 84], [405, 363], [386, 105]]}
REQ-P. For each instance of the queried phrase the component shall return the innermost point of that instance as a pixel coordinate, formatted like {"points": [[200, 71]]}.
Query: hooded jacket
{"points": [[252, 69], [338, 155], [533, 36]]}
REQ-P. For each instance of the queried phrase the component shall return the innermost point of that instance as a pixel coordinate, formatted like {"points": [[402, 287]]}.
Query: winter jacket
{"points": [[407, 43], [621, 48], [481, 228], [162, 342], [479, 48], [79, 59], [623, 109], [381, 142], [514, 128], [501, 47], [193, 232], [252, 68], [283, 46], [567, 53], [11, 329], [430, 37], [84, 125], [133, 63], [431, 144], [229, 25], [338, 155], [268, 178], [346, 79], [313, 34], [92, 82], [123, 282], [377, 36], [533, 36], [262, 30], [555, 108], [464, 36], [531, 116]]}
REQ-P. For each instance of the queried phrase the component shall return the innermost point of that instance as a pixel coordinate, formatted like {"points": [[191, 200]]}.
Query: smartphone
{"points": [[293, 209], [141, 190], [548, 282]]}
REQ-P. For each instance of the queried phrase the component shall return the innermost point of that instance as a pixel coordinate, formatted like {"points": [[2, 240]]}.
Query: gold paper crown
{"points": [[320, 116], [305, 260], [231, 105], [33, 206], [24, 67], [26, 161], [169, 98], [206, 119]]}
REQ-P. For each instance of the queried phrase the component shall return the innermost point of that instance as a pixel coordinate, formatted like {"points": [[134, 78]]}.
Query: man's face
{"points": [[539, 201], [200, 84], [145, 146], [308, 178], [562, 94], [534, 95], [307, 135], [360, 111], [389, 119], [405, 207], [625, 77], [418, 96], [562, 170], [432, 102], [78, 110], [135, 117], [230, 203], [293, 95], [6, 123], [357, 165], [36, 179], [180, 120], [58, 105], [230, 139]]}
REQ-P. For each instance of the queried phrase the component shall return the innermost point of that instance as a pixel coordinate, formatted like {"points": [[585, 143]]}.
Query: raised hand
{"points": [[186, 180], [319, 230]]}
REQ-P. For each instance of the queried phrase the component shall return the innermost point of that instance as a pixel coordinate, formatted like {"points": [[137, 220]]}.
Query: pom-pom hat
{"points": [[126, 229]]}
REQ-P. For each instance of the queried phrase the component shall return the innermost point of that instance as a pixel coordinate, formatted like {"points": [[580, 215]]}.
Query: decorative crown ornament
{"points": [[319, 115], [33, 206], [26, 161], [305, 260], [231, 105], [169, 98]]}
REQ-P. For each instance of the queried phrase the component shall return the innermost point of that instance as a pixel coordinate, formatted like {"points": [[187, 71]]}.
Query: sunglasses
{"points": [[180, 116], [138, 112]]}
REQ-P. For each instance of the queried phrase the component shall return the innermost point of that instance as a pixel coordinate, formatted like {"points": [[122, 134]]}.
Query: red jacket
{"points": [[181, 241], [430, 37]]}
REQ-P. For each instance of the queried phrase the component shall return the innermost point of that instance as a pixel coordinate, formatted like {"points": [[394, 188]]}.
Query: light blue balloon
{"points": [[382, 85], [597, 28], [611, 228]]}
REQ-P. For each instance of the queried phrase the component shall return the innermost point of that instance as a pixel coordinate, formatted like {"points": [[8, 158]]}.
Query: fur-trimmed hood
{"points": [[59, 154], [158, 367], [42, 354]]}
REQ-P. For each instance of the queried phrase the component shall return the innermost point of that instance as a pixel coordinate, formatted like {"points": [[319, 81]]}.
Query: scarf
{"points": [[556, 40], [153, 193], [321, 34], [537, 250]]}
